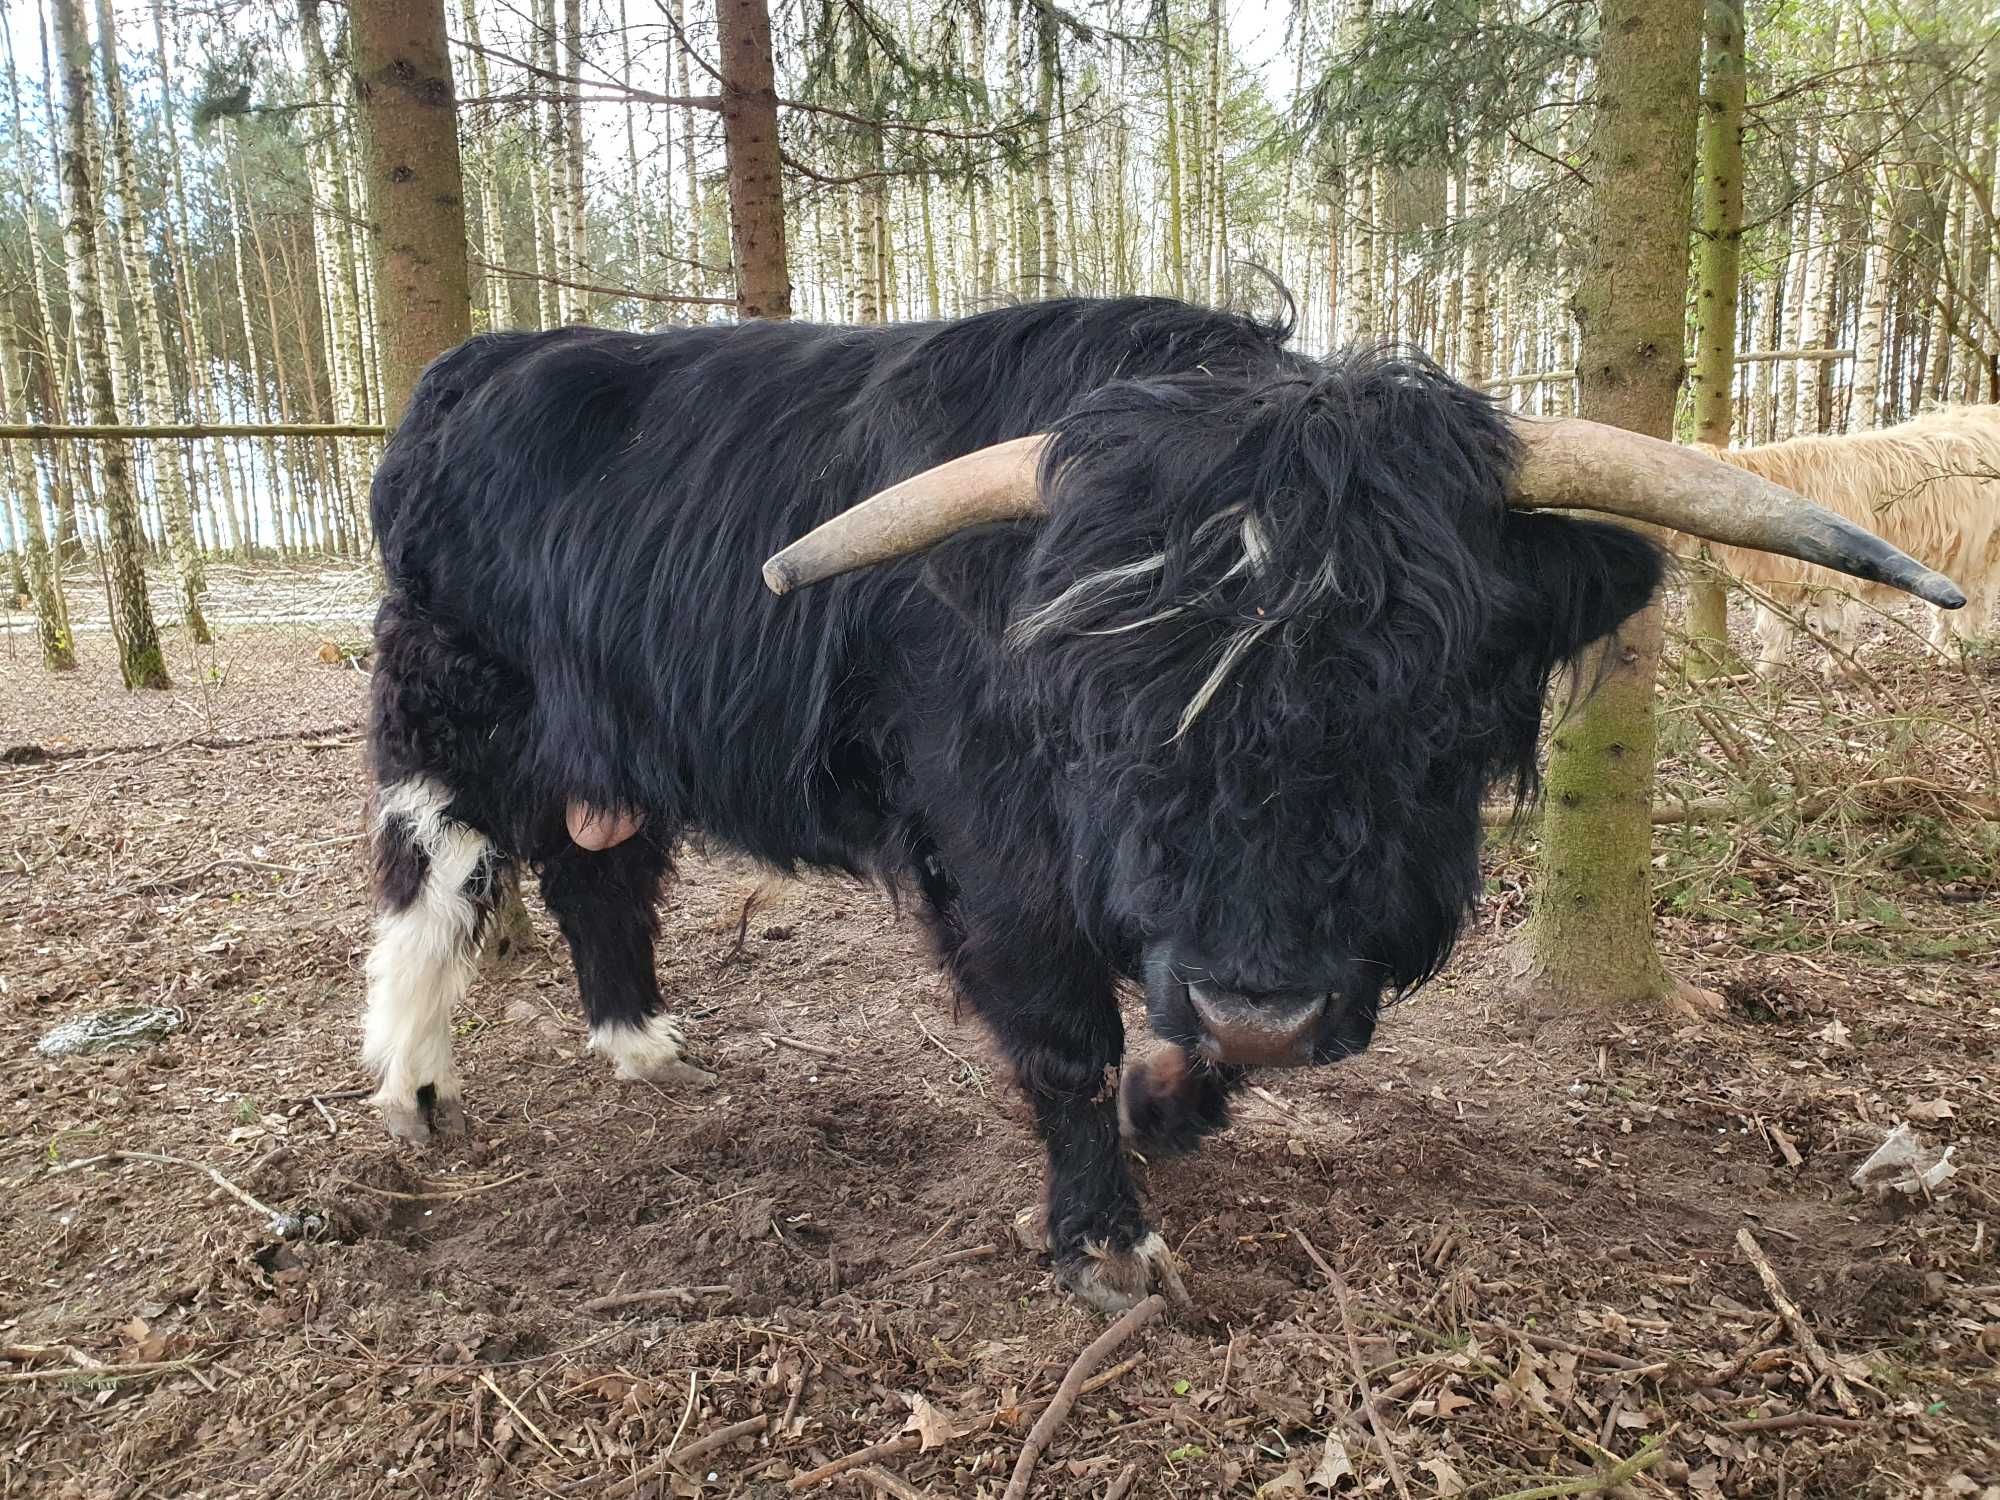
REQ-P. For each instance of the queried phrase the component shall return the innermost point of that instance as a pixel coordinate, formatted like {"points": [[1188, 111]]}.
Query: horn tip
{"points": [[780, 577], [1935, 588]]}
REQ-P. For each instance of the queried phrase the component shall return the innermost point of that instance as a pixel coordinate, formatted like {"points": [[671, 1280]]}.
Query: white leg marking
{"points": [[422, 959], [650, 1052]]}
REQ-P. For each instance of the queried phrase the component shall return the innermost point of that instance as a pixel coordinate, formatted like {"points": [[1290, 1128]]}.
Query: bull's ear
{"points": [[976, 573], [1579, 580]]}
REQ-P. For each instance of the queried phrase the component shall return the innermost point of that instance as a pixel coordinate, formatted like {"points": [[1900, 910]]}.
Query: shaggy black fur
{"points": [[1315, 553]]}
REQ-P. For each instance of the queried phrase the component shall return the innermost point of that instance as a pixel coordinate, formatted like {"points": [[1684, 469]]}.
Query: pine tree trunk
{"points": [[140, 658], [750, 149], [402, 80], [44, 582], [1717, 278], [1589, 941]]}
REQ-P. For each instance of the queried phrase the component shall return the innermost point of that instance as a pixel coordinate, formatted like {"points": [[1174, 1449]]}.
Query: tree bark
{"points": [[154, 387], [140, 659], [1718, 278], [750, 149], [402, 79], [44, 582], [1589, 940]]}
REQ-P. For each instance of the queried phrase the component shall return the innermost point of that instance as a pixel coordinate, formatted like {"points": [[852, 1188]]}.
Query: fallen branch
{"points": [[908, 1443], [1796, 1419], [1808, 1342], [520, 1416], [172, 1161], [98, 1373], [889, 1484], [1592, 1484], [1339, 1284], [673, 1458], [1122, 1485], [939, 1262], [441, 1195], [1094, 1355], [720, 1438], [652, 1296]]}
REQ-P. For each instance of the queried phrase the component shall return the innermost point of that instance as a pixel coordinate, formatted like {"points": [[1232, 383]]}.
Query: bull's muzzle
{"points": [[1267, 1031]]}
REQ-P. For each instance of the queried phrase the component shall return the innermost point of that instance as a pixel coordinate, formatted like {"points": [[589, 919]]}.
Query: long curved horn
{"points": [[1567, 463], [991, 484], [1579, 465]]}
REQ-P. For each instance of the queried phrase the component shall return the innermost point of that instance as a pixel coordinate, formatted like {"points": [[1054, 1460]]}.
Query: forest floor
{"points": [[1540, 1229]]}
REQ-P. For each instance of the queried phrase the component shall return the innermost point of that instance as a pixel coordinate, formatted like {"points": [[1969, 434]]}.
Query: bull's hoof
{"points": [[1113, 1280], [1167, 1104], [424, 1116]]}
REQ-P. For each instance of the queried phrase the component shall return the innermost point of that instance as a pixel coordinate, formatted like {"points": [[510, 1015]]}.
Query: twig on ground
{"points": [[792, 1402], [441, 1195], [723, 1436], [172, 1161], [1808, 1341], [939, 1262], [332, 1129], [907, 1443], [1592, 1484], [889, 1484], [651, 1296], [1072, 1385], [522, 1417], [99, 1373], [814, 1048], [958, 1057], [1339, 1284], [1796, 1419], [1122, 1485], [1561, 1346]]}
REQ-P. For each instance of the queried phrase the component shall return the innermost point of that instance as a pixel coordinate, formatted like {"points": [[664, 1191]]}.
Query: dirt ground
{"points": [[1539, 1231]]}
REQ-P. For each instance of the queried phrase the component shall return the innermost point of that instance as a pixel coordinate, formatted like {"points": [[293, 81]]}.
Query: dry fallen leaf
{"points": [[1334, 1465], [1446, 1477], [933, 1428], [1833, 1033], [1930, 1111]]}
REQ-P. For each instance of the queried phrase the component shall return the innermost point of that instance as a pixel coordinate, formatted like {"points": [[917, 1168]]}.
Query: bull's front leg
{"points": [[1055, 1011]]}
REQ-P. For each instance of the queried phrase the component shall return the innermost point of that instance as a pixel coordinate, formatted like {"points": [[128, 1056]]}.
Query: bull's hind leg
{"points": [[437, 880], [607, 904]]}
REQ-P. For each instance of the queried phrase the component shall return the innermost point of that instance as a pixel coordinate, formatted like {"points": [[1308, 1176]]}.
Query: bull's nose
{"points": [[1265, 1031]]}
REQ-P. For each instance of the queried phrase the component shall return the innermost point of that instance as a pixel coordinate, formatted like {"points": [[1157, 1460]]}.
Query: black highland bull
{"points": [[1206, 698]]}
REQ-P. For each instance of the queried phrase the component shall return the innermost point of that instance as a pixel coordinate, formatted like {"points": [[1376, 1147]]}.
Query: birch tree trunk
{"points": [[1718, 274], [697, 276], [492, 250], [1048, 268], [573, 197], [1588, 944], [756, 172], [44, 582], [140, 659], [153, 387]]}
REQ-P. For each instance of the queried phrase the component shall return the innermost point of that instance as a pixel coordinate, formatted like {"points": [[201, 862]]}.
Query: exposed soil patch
{"points": [[1539, 1233]]}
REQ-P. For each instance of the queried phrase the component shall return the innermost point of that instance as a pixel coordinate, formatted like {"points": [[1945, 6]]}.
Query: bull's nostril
{"points": [[1264, 1029]]}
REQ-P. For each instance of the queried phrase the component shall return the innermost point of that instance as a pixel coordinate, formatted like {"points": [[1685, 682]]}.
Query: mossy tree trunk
{"points": [[1589, 941], [140, 659], [1718, 278]]}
